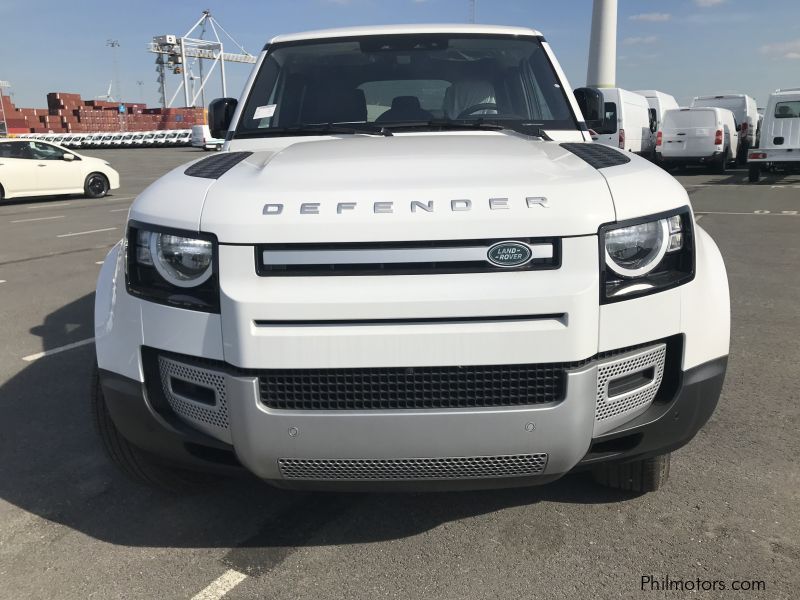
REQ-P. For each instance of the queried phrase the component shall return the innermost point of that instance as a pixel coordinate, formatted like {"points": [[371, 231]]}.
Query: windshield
{"points": [[389, 81]]}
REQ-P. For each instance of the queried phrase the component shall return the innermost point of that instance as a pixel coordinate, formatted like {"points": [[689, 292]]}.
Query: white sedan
{"points": [[34, 168]]}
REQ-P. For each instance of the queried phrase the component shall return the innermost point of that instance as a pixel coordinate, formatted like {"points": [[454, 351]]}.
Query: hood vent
{"points": [[216, 166], [597, 155]]}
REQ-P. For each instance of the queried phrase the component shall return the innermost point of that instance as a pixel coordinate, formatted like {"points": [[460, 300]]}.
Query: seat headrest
{"points": [[406, 103]]}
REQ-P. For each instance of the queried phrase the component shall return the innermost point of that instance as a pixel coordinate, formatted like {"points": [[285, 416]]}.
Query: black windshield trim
{"points": [[270, 47]]}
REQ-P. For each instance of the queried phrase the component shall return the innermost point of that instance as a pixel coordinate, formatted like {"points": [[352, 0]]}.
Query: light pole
{"points": [[114, 44]]}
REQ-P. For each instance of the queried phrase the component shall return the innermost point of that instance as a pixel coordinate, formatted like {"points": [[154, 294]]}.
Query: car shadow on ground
{"points": [[52, 465]]}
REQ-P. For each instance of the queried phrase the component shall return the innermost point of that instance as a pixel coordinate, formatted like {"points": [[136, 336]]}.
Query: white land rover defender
{"points": [[410, 267]]}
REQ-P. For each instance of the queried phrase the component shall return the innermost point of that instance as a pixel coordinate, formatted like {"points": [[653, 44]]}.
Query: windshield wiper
{"points": [[318, 129], [482, 124]]}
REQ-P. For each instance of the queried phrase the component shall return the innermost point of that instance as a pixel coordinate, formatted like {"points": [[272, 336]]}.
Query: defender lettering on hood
{"points": [[459, 205]]}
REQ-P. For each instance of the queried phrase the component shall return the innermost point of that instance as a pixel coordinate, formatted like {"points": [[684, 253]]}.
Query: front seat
{"points": [[405, 108], [469, 92]]}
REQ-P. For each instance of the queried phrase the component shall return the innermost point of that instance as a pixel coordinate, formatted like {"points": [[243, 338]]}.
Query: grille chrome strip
{"points": [[389, 255]]}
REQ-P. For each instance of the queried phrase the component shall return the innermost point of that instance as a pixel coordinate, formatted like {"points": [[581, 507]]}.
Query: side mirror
{"points": [[68, 157], [220, 115], [592, 105]]}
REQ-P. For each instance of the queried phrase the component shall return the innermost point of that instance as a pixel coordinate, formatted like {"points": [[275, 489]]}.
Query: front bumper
{"points": [[418, 449]]}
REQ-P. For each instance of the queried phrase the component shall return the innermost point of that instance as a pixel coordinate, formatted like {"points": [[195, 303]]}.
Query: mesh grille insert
{"points": [[212, 418], [413, 388], [628, 403], [460, 467]]}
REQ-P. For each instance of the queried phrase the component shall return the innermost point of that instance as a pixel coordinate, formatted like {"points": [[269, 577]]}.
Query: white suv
{"points": [[409, 267]]}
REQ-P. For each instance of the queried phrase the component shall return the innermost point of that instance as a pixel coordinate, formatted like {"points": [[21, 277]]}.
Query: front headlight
{"points": [[172, 267], [647, 255], [637, 249], [183, 261]]}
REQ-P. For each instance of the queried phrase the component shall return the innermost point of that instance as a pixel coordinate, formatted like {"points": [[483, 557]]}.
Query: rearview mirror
{"points": [[592, 105], [220, 115], [68, 157]]}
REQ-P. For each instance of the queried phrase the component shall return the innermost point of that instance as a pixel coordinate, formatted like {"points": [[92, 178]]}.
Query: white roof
{"points": [[400, 29]]}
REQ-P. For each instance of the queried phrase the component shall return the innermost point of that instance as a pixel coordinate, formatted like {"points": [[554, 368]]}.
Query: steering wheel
{"points": [[475, 108]]}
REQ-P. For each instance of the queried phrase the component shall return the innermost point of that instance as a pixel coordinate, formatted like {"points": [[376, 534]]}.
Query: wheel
{"points": [[134, 463], [754, 173], [96, 186], [646, 475], [721, 166]]}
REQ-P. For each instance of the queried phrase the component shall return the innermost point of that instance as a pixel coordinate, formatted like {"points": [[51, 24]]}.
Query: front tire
{"points": [[641, 476], [134, 463], [96, 185]]}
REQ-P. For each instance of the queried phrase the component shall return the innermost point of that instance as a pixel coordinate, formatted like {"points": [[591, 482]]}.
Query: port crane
{"points": [[174, 52]]}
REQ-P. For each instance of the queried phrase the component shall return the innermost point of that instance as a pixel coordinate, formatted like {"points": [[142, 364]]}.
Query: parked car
{"points": [[626, 122], [745, 111], [127, 140], [185, 137], [705, 136], [37, 168], [137, 139], [489, 299], [779, 144], [202, 138], [149, 138], [171, 138], [659, 103], [160, 139]]}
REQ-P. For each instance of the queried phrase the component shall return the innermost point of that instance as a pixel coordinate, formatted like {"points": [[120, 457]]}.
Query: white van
{"points": [[626, 123], [659, 103], [779, 144], [745, 111], [201, 138], [698, 136]]}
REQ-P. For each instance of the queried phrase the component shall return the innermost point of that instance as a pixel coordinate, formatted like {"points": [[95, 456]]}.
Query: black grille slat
{"points": [[413, 388]]}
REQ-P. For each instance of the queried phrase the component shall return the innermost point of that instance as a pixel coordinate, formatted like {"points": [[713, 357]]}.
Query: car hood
{"points": [[482, 185]]}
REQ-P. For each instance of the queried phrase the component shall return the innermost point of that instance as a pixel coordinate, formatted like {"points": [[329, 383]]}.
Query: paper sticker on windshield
{"points": [[264, 112]]}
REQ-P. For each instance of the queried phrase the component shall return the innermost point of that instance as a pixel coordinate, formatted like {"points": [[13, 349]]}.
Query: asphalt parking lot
{"points": [[72, 527]]}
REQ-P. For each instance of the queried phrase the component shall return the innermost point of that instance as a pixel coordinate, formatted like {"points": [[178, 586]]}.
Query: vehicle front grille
{"points": [[399, 258], [413, 387], [458, 467]]}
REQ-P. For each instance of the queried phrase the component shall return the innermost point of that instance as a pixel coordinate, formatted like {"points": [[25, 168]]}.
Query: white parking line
{"points": [[38, 355], [697, 217], [2, 280], [63, 235], [119, 209], [37, 219], [60, 204], [221, 585]]}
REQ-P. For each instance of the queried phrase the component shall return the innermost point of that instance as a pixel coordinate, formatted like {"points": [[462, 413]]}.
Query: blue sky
{"points": [[683, 47]]}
